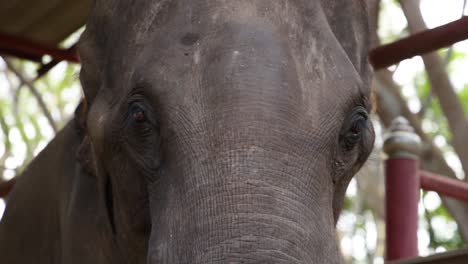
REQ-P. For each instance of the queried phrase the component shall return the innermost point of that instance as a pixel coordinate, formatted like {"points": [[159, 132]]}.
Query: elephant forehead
{"points": [[136, 23], [165, 28]]}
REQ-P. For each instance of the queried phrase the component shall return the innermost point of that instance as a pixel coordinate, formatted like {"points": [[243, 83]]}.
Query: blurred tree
{"points": [[32, 109], [439, 119]]}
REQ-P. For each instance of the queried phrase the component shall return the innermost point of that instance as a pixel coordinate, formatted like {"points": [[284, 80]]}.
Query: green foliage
{"points": [[463, 94], [23, 125], [348, 203], [438, 235]]}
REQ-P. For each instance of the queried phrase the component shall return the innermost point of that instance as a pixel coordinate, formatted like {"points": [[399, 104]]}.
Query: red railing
{"points": [[403, 181], [444, 186], [420, 43], [26, 49]]}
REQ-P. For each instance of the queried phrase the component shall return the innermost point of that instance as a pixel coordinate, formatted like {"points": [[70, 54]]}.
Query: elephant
{"points": [[211, 131]]}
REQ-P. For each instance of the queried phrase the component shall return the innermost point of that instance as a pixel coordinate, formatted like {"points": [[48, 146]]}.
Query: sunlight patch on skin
{"points": [[196, 56], [235, 54]]}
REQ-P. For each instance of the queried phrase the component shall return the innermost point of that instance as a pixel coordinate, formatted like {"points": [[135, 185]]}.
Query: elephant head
{"points": [[225, 131]]}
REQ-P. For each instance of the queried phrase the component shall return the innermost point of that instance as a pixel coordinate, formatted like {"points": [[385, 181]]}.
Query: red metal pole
{"points": [[401, 191], [444, 186], [419, 43], [401, 203], [12, 45]]}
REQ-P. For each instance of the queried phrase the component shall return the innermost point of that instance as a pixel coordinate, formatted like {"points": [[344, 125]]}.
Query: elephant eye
{"points": [[137, 113], [355, 128], [140, 119]]}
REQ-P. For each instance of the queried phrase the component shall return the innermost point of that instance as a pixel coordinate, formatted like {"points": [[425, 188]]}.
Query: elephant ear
{"points": [[89, 79], [353, 36], [83, 154], [90, 66], [92, 38], [92, 52]]}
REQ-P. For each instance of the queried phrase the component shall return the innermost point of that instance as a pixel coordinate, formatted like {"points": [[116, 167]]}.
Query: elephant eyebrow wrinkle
{"points": [[139, 87]]}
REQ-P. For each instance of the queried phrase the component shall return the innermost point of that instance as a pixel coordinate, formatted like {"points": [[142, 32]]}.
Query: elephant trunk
{"points": [[247, 214]]}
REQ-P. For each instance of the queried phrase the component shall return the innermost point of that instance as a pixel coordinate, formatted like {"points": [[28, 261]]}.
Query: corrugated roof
{"points": [[45, 22]]}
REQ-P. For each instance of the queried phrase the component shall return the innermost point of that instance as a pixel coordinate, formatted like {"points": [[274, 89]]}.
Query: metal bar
{"points": [[401, 205], [11, 45], [401, 191], [419, 44], [45, 68], [6, 187], [21, 55], [445, 186], [459, 256]]}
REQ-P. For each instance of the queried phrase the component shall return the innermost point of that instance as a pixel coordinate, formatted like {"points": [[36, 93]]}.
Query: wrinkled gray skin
{"points": [[213, 131]]}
